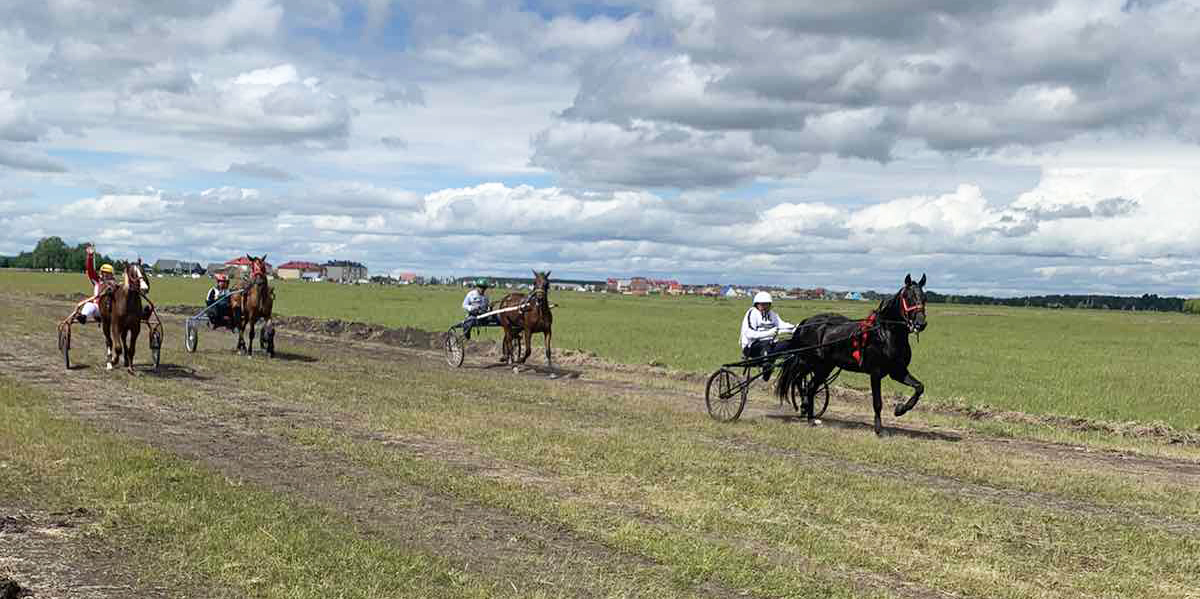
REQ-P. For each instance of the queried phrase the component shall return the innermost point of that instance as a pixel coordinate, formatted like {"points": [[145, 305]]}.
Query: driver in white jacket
{"points": [[760, 326]]}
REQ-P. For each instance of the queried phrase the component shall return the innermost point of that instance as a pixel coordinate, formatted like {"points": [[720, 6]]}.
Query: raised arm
{"points": [[89, 266]]}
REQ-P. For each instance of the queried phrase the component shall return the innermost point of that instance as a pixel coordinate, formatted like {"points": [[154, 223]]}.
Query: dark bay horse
{"points": [[533, 317], [254, 303], [121, 316], [877, 346]]}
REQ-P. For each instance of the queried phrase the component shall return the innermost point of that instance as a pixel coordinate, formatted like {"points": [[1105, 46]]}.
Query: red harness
{"points": [[859, 341]]}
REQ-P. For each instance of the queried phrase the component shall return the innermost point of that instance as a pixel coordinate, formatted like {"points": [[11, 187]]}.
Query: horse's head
{"points": [[911, 303], [541, 286], [135, 278], [258, 268]]}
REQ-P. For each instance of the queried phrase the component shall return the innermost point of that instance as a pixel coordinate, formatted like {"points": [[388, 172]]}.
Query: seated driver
{"points": [[219, 295], [99, 281], [475, 303], [760, 326]]}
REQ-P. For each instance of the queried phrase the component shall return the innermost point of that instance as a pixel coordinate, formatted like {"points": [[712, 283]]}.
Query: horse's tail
{"points": [[792, 368]]}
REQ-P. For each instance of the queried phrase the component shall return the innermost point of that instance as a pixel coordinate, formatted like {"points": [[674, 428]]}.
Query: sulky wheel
{"points": [[156, 338], [725, 396], [191, 337], [64, 345], [820, 401], [454, 348]]}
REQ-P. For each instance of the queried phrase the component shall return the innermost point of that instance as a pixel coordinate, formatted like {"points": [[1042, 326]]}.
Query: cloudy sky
{"points": [[1002, 147]]}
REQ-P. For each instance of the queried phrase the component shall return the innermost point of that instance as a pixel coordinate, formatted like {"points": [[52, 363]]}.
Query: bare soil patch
{"points": [[47, 555]]}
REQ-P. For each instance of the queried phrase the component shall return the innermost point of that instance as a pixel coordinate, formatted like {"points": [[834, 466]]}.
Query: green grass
{"points": [[180, 525], [784, 515], [1116, 366], [760, 507]]}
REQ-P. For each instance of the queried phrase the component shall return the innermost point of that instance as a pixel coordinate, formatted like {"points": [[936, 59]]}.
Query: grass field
{"points": [[355, 471], [1113, 366]]}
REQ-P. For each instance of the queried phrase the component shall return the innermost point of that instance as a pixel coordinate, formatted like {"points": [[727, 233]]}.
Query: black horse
{"points": [[877, 346]]}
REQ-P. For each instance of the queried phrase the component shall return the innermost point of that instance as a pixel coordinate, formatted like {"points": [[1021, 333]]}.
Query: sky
{"points": [[1006, 148]]}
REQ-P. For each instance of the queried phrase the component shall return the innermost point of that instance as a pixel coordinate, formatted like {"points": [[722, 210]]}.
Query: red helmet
{"points": [[221, 278]]}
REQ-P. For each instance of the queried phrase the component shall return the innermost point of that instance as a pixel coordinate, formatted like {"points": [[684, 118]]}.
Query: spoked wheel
{"points": [[64, 345], [156, 338], [723, 397], [191, 337], [820, 401], [454, 348]]}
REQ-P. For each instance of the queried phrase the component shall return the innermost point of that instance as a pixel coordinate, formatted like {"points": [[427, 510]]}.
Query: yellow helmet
{"points": [[106, 268]]}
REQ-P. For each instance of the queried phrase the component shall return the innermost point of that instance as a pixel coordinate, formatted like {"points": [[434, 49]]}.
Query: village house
{"points": [[344, 271], [299, 269], [241, 265], [176, 267]]}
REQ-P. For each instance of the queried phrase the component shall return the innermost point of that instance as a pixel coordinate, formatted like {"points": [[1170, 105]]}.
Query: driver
{"points": [[760, 326], [90, 308], [219, 295], [475, 303]]}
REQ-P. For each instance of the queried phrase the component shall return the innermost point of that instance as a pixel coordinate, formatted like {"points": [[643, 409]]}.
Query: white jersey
{"points": [[755, 326], [475, 301]]}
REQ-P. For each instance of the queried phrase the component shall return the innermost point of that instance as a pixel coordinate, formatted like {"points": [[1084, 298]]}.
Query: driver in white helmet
{"points": [[760, 326]]}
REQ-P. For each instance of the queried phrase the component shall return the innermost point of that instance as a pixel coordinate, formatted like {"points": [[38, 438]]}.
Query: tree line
{"points": [[54, 253], [1148, 301]]}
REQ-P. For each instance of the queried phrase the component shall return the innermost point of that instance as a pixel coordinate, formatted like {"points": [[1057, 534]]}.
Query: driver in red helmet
{"points": [[219, 295]]}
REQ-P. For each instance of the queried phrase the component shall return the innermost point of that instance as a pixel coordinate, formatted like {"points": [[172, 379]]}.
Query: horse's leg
{"points": [[131, 347], [908, 379], [109, 358], [527, 336], [123, 351], [877, 400], [819, 375], [506, 347], [250, 341], [546, 338]]}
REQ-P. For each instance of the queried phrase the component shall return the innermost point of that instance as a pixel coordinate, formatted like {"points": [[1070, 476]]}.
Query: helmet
{"points": [[221, 278], [483, 283], [762, 297], [106, 269]]}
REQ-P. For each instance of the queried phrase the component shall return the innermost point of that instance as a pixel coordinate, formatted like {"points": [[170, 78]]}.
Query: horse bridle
{"points": [[906, 310]]}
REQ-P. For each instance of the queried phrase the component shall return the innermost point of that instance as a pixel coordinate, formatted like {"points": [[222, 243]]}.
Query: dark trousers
{"points": [[758, 348]]}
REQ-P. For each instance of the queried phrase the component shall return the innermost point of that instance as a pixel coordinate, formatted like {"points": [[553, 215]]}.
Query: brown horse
{"points": [[533, 317], [253, 304], [121, 316]]}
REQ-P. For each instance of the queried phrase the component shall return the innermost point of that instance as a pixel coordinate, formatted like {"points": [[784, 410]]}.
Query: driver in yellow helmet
{"points": [[90, 309]]}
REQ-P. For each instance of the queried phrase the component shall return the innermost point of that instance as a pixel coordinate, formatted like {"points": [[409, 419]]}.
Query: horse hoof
{"points": [[108, 366], [814, 422]]}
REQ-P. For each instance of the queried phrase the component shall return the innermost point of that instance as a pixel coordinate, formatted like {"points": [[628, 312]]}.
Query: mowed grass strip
{"points": [[1112, 366], [185, 527], [714, 511]]}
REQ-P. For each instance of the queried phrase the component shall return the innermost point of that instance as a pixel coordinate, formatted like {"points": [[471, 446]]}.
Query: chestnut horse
{"points": [[121, 316], [533, 317], [253, 304]]}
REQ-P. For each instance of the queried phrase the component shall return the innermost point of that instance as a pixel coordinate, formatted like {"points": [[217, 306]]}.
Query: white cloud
{"points": [[260, 107]]}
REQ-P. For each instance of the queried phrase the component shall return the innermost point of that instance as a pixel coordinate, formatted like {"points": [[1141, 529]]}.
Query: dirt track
{"points": [[239, 434]]}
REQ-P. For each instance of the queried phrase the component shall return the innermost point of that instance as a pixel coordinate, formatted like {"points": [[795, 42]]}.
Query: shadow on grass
{"points": [[527, 369], [888, 431], [172, 372], [290, 357]]}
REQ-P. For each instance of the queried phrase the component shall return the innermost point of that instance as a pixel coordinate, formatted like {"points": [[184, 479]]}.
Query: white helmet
{"points": [[762, 297]]}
